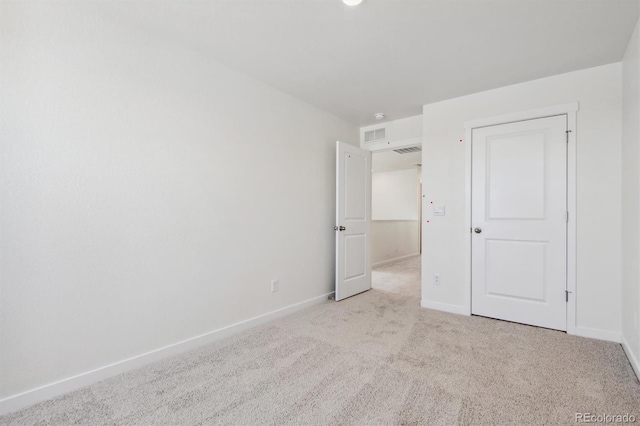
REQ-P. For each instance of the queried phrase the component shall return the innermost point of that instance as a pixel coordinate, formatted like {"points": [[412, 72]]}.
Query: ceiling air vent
{"points": [[408, 150], [375, 134]]}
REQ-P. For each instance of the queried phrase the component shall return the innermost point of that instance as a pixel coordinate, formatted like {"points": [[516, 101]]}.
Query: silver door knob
{"points": [[339, 228], [477, 230]]}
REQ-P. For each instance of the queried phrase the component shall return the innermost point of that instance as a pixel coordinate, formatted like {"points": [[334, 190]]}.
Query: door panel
{"points": [[356, 256], [353, 220], [522, 156], [519, 204], [355, 170], [515, 269]]}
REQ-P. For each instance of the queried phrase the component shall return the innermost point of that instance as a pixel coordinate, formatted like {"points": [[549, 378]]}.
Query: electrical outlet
{"points": [[436, 279], [274, 286]]}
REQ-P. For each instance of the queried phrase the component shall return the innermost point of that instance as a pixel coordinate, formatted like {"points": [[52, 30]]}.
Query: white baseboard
{"points": [[454, 309], [635, 363], [595, 333], [395, 259], [69, 384]]}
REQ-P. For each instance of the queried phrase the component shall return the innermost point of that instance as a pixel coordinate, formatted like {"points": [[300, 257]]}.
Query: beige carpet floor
{"points": [[376, 358]]}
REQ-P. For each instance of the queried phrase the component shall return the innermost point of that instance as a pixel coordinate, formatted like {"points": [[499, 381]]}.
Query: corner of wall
{"points": [[630, 208]]}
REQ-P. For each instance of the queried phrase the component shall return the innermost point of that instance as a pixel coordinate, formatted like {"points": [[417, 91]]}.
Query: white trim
{"points": [[570, 110], [395, 259], [42, 393], [523, 115], [446, 307], [467, 221], [596, 333], [635, 364], [572, 226]]}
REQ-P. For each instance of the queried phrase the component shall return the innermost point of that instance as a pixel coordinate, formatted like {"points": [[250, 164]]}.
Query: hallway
{"points": [[401, 277]]}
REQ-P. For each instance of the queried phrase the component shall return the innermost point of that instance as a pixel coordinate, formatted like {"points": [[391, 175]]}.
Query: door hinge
{"points": [[566, 297], [567, 133], [567, 217]]}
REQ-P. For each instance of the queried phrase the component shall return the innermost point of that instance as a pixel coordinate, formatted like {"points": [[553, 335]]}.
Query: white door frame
{"points": [[570, 110]]}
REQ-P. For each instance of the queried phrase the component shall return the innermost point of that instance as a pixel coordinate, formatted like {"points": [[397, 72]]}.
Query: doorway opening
{"points": [[396, 231]]}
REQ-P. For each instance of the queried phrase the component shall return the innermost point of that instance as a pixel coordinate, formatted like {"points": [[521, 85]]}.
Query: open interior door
{"points": [[353, 220]]}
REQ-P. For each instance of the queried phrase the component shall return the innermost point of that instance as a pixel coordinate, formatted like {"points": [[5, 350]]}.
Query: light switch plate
{"points": [[438, 210]]}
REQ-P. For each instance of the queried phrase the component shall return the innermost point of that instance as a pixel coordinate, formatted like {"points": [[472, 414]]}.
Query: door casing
{"points": [[570, 110]]}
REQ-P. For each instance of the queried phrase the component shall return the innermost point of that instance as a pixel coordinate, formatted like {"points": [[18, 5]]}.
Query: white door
{"points": [[519, 222], [353, 220]]}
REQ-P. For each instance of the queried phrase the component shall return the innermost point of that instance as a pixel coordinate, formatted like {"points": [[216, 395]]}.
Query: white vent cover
{"points": [[408, 150], [375, 134]]}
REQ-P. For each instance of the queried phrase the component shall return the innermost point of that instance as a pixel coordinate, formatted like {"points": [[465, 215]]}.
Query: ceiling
{"points": [[392, 56], [386, 161]]}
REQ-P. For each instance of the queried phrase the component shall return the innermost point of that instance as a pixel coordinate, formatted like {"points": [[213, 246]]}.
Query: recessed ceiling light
{"points": [[379, 116], [352, 2]]}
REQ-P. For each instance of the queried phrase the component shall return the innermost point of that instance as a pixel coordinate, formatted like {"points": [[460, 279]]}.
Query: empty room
{"points": [[358, 212]]}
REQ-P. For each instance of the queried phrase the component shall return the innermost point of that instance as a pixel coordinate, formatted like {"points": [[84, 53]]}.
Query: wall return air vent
{"points": [[375, 134], [408, 150]]}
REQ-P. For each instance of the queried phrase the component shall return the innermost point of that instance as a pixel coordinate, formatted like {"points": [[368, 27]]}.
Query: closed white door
{"points": [[519, 222], [353, 220]]}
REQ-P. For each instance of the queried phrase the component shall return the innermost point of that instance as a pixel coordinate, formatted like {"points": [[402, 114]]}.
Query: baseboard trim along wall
{"points": [[594, 333], [635, 363], [395, 259], [33, 396], [454, 309]]}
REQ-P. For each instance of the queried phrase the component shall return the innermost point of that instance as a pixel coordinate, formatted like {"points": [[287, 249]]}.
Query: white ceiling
{"points": [[392, 56], [390, 160]]}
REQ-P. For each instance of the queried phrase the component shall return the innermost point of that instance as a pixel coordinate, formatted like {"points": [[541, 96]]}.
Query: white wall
{"points": [[394, 195], [395, 229], [598, 185], [631, 199], [148, 194], [400, 133], [392, 240]]}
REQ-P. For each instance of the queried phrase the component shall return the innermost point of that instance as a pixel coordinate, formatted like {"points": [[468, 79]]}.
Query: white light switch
{"points": [[438, 210]]}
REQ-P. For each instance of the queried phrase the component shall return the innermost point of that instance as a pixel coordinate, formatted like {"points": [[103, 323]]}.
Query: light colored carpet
{"points": [[376, 358]]}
